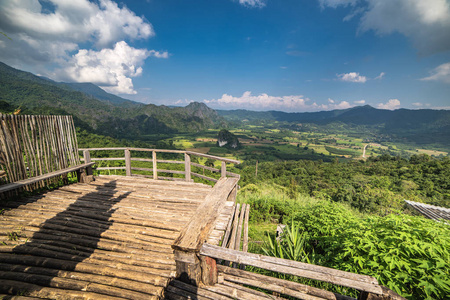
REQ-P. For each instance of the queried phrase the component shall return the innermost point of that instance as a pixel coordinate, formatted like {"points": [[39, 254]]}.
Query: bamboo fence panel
{"points": [[36, 145]]}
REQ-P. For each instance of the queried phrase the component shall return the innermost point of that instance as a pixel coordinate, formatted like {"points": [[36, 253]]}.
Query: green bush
{"points": [[410, 255]]}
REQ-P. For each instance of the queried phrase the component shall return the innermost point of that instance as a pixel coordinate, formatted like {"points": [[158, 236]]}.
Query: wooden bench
{"points": [[78, 168]]}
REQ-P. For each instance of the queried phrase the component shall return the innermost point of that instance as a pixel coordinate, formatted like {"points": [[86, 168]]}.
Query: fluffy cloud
{"points": [[391, 104], [440, 73], [359, 101], [50, 33], [352, 77], [293, 103], [426, 23], [379, 77], [253, 3], [111, 69]]}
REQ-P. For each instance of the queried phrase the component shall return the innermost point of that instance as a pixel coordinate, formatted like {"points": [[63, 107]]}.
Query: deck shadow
{"points": [[61, 243]]}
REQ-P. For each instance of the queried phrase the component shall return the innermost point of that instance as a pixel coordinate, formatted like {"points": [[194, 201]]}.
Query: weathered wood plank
{"points": [[281, 286], [231, 161], [198, 229], [356, 281], [25, 182], [204, 177], [245, 243]]}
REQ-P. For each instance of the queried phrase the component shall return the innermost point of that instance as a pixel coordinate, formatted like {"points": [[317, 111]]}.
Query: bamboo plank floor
{"points": [[110, 239]]}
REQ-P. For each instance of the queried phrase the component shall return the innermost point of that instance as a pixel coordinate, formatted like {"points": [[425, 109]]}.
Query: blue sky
{"points": [[289, 55]]}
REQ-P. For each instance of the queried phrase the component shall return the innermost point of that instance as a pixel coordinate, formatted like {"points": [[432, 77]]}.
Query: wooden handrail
{"points": [[352, 280], [368, 285], [188, 173], [195, 233]]}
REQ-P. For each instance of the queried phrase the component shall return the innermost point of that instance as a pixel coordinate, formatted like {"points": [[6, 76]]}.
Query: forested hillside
{"points": [[98, 111]]}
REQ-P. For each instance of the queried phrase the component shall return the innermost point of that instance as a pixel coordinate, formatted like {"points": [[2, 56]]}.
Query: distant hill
{"points": [[423, 126], [97, 110], [96, 92]]}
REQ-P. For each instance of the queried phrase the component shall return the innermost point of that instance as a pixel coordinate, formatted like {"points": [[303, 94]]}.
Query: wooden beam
{"points": [[25, 182], [127, 162], [231, 161], [356, 281], [197, 230], [245, 243], [187, 167], [155, 166], [204, 177], [223, 169]]}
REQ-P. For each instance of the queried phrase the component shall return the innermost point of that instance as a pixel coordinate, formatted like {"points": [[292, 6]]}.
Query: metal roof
{"points": [[430, 211]]}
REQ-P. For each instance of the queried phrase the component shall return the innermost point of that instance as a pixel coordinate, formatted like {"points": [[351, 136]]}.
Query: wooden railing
{"points": [[187, 173], [36, 151], [367, 285]]}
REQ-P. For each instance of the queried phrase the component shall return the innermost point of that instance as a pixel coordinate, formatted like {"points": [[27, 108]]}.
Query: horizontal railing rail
{"points": [[154, 170], [367, 285]]}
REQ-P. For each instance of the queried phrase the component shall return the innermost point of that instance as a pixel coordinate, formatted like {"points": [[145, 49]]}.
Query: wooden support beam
{"points": [[223, 170], [155, 166], [187, 167], [188, 267], [209, 270], [127, 162]]}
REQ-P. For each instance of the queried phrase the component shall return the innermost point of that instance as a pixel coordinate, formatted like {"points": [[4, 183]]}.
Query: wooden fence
{"points": [[31, 146], [155, 172]]}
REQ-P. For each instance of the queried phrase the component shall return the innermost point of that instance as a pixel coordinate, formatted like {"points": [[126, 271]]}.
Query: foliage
{"points": [[378, 185], [289, 245], [408, 254]]}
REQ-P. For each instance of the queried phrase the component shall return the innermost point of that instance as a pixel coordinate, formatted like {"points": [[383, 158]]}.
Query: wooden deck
{"points": [[108, 239]]}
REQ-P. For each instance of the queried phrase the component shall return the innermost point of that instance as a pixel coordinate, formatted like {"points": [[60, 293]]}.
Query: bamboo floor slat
{"points": [[110, 239]]}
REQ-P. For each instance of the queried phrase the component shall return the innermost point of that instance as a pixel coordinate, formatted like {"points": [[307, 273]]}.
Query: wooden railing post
{"points": [[87, 159], [85, 175], [127, 162], [187, 166], [155, 166], [223, 170]]}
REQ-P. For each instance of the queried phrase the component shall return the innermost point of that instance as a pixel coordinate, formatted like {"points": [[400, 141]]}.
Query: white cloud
{"points": [[336, 3], [440, 73], [293, 103], [417, 104], [253, 3], [359, 101], [111, 69], [425, 22], [330, 100], [352, 77], [379, 77], [391, 104], [53, 37]]}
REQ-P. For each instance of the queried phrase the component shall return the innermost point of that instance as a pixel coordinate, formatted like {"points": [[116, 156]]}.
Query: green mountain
{"points": [[95, 110], [96, 92]]}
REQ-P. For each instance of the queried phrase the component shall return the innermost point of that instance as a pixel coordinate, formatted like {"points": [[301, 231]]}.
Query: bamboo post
{"points": [[187, 167], [223, 170], [155, 167], [127, 162]]}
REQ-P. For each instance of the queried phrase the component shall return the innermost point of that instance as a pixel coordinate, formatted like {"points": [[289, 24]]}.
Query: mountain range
{"points": [[100, 112], [96, 110]]}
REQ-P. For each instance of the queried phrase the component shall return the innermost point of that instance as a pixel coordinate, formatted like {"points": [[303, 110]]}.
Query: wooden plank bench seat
{"points": [[21, 183]]}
